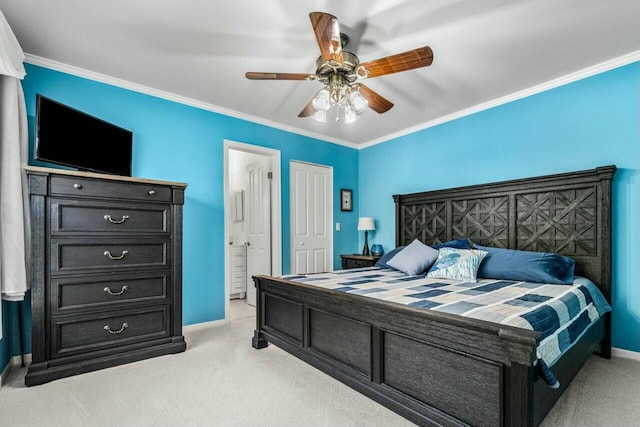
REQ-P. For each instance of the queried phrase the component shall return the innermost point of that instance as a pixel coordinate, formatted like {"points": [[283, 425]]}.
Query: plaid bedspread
{"points": [[561, 313]]}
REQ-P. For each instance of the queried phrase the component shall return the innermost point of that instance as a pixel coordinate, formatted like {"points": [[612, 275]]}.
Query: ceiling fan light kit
{"points": [[341, 72], [347, 100]]}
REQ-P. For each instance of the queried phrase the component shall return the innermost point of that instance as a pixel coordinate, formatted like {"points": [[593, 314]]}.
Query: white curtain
{"points": [[14, 220]]}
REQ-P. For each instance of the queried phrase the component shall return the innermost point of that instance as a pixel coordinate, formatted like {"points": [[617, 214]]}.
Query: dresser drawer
{"points": [[74, 216], [78, 334], [92, 292], [238, 287], [238, 258], [358, 263], [238, 276], [239, 266], [95, 188], [113, 254]]}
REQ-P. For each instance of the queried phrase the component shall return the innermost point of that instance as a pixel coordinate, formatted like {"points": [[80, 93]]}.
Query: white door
{"points": [[259, 223], [311, 218]]}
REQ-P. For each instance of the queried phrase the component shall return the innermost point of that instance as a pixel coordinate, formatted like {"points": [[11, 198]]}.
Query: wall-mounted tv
{"points": [[69, 137]]}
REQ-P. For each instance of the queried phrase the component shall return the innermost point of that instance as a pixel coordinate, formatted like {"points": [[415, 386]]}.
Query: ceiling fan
{"points": [[341, 72]]}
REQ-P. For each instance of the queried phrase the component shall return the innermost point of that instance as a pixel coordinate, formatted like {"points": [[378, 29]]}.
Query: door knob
{"points": [[247, 243], [301, 243]]}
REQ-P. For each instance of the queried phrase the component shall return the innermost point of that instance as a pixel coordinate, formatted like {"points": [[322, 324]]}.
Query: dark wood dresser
{"points": [[106, 271]]}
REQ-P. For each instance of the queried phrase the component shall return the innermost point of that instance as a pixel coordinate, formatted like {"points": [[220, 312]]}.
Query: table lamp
{"points": [[366, 224]]}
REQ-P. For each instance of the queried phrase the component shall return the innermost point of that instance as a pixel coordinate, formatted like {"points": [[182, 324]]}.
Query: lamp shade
{"points": [[366, 223]]}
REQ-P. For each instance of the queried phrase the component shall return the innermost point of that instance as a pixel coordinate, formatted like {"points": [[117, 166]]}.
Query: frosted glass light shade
{"points": [[320, 116], [322, 102], [358, 102], [366, 223], [350, 116]]}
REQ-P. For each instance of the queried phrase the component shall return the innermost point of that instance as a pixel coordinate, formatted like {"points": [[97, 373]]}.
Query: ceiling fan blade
{"points": [[405, 61], [277, 76], [327, 31], [376, 102], [308, 110]]}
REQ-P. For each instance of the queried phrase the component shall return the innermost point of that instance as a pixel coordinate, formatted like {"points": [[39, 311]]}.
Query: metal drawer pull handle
{"points": [[107, 253], [115, 294], [152, 192], [122, 328], [114, 221], [77, 186]]}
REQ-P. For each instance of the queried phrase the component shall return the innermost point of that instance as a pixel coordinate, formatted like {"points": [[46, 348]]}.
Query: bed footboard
{"points": [[432, 368]]}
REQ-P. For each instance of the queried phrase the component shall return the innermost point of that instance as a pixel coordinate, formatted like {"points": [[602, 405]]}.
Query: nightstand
{"points": [[358, 261]]}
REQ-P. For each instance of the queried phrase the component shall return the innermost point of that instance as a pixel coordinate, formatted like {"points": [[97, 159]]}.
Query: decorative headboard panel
{"points": [[566, 213]]}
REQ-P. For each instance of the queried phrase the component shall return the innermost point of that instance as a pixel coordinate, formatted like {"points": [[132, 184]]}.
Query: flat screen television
{"points": [[69, 137]]}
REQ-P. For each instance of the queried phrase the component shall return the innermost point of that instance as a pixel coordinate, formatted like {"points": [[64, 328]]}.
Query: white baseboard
{"points": [[14, 362], [5, 374], [625, 354], [17, 361], [205, 325]]}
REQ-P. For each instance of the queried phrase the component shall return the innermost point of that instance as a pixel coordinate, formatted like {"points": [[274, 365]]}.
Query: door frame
{"points": [[329, 214], [276, 211]]}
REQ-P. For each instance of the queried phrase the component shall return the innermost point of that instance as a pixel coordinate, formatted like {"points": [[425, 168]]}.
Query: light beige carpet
{"points": [[222, 381]]}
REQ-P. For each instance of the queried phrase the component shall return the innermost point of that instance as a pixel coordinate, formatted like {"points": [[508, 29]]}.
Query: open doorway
{"points": [[253, 230]]}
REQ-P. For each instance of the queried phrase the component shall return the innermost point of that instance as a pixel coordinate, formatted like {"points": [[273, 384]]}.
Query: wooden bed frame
{"points": [[437, 368]]}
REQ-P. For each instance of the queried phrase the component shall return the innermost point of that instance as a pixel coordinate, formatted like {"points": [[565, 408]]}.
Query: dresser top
{"points": [[38, 169]]}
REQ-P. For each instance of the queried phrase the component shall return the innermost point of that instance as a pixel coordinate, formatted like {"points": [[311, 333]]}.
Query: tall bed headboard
{"points": [[567, 213]]}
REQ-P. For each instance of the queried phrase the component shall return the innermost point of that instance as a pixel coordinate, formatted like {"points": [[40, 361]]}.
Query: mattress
{"points": [[561, 313]]}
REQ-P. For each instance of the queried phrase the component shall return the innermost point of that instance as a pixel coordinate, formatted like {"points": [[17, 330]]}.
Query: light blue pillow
{"points": [[382, 262], [414, 259], [459, 264]]}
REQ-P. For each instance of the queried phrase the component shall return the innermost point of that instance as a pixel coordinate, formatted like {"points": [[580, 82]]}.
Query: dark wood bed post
{"points": [[606, 178], [258, 340]]}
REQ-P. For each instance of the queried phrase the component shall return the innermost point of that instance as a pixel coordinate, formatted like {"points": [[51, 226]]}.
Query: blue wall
{"points": [[589, 123], [10, 344], [176, 142]]}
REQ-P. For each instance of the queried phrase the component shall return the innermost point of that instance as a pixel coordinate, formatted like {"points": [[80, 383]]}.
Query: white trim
{"points": [[551, 84], [276, 210], [14, 362], [625, 354], [17, 360], [204, 325], [5, 373], [125, 84]]}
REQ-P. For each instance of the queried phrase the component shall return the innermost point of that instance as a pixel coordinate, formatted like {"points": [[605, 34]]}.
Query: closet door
{"points": [[311, 218]]}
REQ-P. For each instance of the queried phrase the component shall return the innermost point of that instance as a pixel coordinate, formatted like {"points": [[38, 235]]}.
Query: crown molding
{"points": [[125, 84], [551, 84]]}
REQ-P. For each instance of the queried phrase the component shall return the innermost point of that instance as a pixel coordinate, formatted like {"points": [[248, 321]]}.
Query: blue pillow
{"points": [[382, 262], [414, 259], [526, 266], [463, 243]]}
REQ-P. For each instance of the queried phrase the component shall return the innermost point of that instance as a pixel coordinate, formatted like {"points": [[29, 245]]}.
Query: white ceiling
{"points": [[200, 49]]}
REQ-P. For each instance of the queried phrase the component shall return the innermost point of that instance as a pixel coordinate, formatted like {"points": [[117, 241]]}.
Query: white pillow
{"points": [[459, 264], [414, 259]]}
